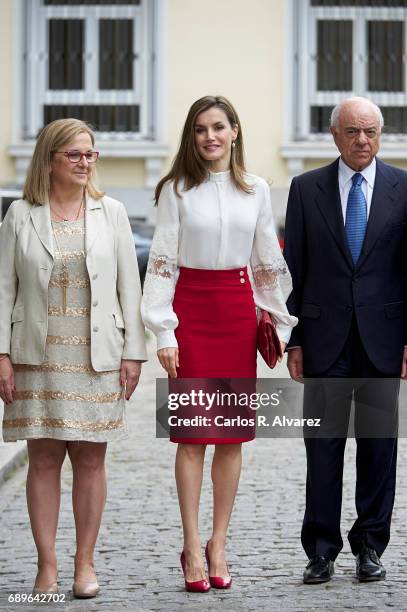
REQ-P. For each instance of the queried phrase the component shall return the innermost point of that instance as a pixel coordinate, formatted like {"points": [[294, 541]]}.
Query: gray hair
{"points": [[336, 111]]}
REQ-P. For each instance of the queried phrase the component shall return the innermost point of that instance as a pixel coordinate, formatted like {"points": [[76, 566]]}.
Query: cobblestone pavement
{"points": [[137, 557]]}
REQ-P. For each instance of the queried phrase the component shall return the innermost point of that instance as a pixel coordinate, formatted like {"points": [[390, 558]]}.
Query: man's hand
{"points": [[7, 386], [168, 358], [295, 364], [129, 375], [404, 364]]}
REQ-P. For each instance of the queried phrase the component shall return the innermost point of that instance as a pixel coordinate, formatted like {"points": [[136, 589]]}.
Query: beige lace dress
{"points": [[64, 398]]}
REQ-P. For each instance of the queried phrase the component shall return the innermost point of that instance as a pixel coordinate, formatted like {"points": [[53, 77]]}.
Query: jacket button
{"points": [[242, 280], [95, 328], [95, 303], [349, 308], [241, 273], [95, 276]]}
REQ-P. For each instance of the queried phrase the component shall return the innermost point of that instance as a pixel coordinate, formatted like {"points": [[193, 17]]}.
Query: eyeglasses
{"points": [[76, 156]]}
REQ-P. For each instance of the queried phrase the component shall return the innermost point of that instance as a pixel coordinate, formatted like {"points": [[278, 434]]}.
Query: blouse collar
{"points": [[219, 176]]}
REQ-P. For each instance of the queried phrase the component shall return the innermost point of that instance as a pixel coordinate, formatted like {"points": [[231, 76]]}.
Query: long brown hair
{"points": [[189, 165], [52, 137]]}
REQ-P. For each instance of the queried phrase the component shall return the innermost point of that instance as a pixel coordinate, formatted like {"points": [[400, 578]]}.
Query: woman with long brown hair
{"points": [[71, 338], [213, 220]]}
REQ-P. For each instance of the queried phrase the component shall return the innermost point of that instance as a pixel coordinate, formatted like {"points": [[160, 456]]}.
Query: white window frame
{"points": [[301, 92], [39, 93], [359, 16], [150, 36]]}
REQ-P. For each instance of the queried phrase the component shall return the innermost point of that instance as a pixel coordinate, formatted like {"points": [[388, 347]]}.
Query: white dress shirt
{"points": [[215, 226], [345, 175]]}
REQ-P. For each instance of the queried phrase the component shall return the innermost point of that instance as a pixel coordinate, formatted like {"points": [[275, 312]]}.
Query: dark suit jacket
{"points": [[328, 289]]}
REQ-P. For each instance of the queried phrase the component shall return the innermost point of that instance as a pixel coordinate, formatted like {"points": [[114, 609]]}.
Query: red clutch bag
{"points": [[268, 343]]}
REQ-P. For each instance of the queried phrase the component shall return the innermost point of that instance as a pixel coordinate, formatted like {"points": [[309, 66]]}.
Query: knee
{"points": [[45, 462], [191, 452], [88, 461], [228, 451]]}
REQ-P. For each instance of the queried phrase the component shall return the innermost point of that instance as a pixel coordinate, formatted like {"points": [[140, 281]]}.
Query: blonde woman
{"points": [[213, 220], [71, 339]]}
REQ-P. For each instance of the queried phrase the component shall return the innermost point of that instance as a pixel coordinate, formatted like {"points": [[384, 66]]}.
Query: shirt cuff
{"points": [[283, 332], [166, 339]]}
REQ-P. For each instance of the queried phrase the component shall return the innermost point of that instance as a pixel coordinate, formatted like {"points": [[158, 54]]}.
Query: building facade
{"points": [[132, 68]]}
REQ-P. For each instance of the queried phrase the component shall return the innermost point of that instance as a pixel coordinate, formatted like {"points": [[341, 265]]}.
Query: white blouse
{"points": [[215, 226]]}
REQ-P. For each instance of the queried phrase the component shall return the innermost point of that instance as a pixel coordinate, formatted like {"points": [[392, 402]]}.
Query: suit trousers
{"points": [[376, 411]]}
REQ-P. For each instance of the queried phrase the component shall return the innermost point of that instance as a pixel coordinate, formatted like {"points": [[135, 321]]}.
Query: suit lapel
{"points": [[383, 200], [41, 219], [92, 216], [329, 203]]}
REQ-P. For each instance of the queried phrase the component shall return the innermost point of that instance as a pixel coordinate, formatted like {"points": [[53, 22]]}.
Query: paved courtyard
{"points": [[137, 558]]}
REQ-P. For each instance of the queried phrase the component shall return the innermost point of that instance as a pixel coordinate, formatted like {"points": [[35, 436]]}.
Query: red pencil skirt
{"points": [[217, 334]]}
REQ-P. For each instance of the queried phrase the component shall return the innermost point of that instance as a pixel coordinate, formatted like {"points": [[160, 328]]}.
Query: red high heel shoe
{"points": [[217, 582], [198, 586]]}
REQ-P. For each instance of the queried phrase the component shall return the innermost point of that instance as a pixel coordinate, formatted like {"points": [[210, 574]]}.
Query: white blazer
{"points": [[26, 262]]}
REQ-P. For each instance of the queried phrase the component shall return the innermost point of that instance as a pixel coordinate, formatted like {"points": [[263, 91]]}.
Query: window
{"points": [[346, 48], [91, 60]]}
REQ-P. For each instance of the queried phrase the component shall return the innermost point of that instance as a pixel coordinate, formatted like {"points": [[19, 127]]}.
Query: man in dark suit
{"points": [[346, 247]]}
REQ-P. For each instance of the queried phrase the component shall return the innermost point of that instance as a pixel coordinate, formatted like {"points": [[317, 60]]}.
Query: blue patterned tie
{"points": [[356, 217]]}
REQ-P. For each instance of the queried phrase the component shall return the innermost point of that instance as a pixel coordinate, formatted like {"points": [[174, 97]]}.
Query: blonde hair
{"points": [[189, 165], [51, 138]]}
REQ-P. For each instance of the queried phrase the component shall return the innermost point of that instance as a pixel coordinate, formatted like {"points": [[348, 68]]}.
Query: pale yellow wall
{"points": [[234, 48], [311, 164], [6, 163], [120, 172]]}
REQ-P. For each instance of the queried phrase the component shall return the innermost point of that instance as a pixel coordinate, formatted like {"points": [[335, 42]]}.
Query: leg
{"points": [[45, 458], [88, 500], [226, 466], [376, 461], [330, 400], [321, 534], [188, 474], [376, 419]]}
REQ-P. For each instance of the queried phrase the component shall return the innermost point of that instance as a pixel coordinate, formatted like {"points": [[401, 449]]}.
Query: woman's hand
{"points": [[168, 357], [7, 386], [283, 345], [129, 375]]}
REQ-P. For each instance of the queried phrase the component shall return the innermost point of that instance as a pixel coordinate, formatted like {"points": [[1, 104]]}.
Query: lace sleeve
{"points": [[271, 276], [162, 268], [162, 260]]}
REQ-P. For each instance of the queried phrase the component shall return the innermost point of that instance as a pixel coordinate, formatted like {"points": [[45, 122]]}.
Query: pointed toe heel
{"points": [[197, 586], [217, 582]]}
